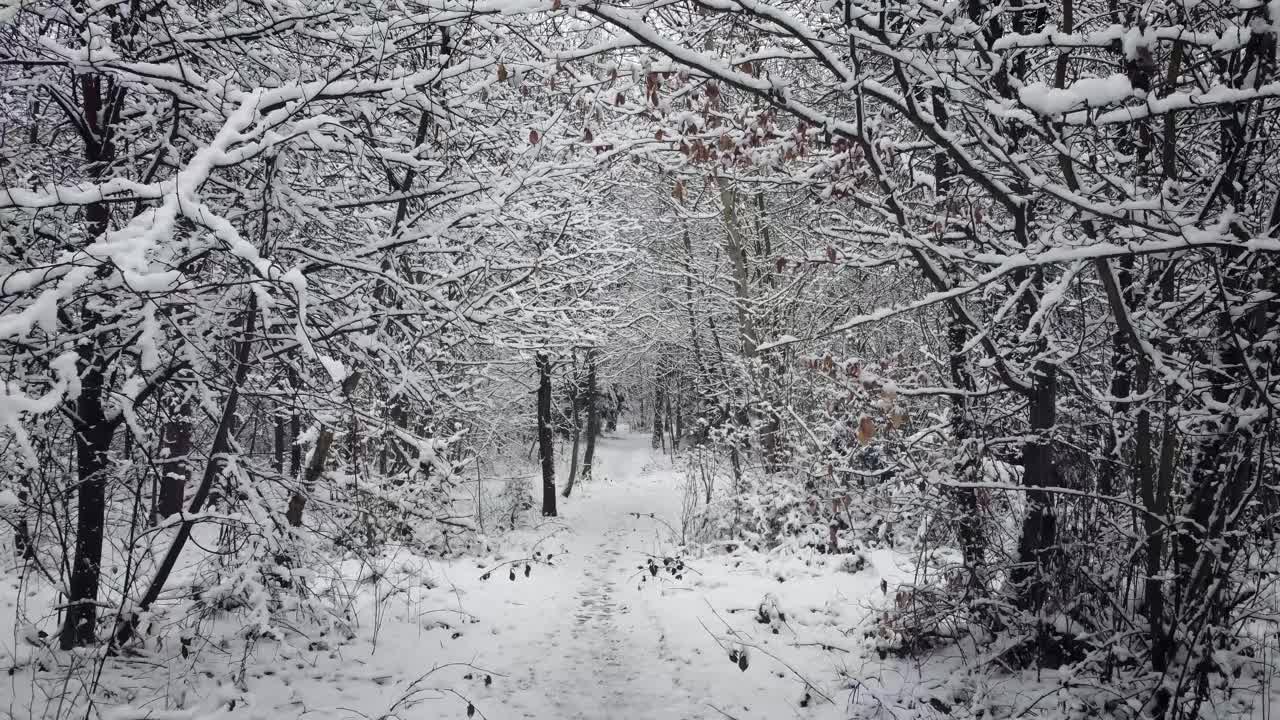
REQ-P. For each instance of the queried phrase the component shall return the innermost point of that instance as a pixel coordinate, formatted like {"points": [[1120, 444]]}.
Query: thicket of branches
{"points": [[996, 279], [1010, 267]]}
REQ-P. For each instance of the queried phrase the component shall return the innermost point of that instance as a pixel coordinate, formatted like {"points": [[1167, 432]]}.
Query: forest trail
{"points": [[596, 636], [592, 635], [603, 650]]}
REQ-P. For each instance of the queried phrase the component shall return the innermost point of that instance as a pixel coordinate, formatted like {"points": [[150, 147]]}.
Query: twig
{"points": [[713, 707], [809, 685]]}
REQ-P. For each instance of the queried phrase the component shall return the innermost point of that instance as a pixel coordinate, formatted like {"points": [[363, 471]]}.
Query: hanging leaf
{"points": [[587, 136], [781, 264], [866, 430], [527, 570], [512, 575], [471, 710], [678, 191], [742, 660], [502, 72], [831, 255], [533, 137]]}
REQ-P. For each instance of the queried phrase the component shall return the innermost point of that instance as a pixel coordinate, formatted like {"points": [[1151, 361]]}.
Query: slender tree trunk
{"points": [[574, 404], [546, 442], [223, 443], [573, 461], [593, 417], [319, 456], [277, 462], [659, 396], [175, 444], [1040, 525], [735, 246], [295, 431], [967, 467], [315, 468], [92, 432], [23, 543]]}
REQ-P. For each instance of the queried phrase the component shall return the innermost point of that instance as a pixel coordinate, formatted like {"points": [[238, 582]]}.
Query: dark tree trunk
{"points": [[575, 402], [575, 453], [92, 431], [1040, 526], [315, 468], [295, 431], [93, 435], [546, 442], [973, 543], [319, 456], [593, 417], [175, 443], [659, 396], [969, 522], [277, 462], [23, 543]]}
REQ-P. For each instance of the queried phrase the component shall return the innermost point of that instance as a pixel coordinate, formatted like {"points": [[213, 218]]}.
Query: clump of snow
{"points": [[1080, 95]]}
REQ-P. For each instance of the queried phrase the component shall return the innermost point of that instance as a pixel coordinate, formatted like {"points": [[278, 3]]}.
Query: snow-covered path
{"points": [[596, 636], [592, 635], [595, 645]]}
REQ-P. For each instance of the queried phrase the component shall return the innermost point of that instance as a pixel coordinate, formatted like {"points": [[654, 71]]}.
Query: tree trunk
{"points": [[574, 404], [735, 246], [91, 430], [277, 462], [1040, 525], [315, 468], [223, 443], [967, 467], [593, 417], [546, 443], [573, 459], [175, 454], [23, 544], [658, 402]]}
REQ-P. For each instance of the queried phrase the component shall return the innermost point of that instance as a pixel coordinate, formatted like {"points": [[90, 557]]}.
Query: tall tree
{"points": [[546, 435]]}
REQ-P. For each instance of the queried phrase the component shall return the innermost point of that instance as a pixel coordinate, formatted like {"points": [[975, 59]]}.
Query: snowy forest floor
{"points": [[594, 634]]}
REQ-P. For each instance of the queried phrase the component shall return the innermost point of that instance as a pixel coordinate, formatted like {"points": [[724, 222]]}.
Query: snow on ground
{"points": [[594, 633]]}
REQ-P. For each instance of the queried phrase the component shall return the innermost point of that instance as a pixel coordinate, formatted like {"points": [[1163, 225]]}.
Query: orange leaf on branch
{"points": [[866, 430]]}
